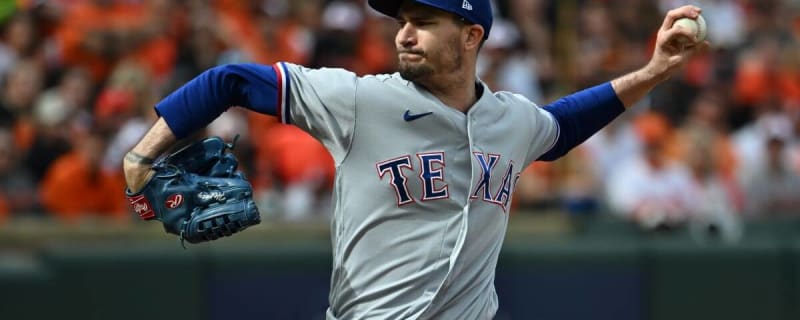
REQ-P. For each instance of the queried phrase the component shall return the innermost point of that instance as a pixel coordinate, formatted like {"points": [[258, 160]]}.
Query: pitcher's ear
{"points": [[475, 34]]}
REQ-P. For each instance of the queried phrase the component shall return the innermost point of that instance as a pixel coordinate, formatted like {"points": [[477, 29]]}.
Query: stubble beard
{"points": [[415, 73], [450, 60]]}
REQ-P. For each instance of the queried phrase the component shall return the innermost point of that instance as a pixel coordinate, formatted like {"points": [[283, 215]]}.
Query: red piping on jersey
{"points": [[279, 107]]}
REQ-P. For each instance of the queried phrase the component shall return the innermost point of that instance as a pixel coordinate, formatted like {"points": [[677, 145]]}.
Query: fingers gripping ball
{"points": [[695, 26], [213, 202]]}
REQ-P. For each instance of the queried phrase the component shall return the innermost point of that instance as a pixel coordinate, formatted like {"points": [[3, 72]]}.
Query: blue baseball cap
{"points": [[474, 11]]}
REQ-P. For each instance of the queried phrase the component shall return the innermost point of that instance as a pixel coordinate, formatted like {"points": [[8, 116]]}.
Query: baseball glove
{"points": [[197, 193]]}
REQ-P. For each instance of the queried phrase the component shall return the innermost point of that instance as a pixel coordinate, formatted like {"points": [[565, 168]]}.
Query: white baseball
{"points": [[696, 26]]}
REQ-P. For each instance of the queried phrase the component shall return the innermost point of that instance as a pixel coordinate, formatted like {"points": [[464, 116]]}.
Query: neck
{"points": [[456, 90]]}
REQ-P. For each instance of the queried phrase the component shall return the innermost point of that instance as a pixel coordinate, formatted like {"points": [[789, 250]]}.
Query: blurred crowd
{"points": [[79, 78]]}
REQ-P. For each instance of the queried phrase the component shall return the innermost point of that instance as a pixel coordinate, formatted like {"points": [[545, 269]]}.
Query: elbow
{"points": [[221, 74], [227, 75]]}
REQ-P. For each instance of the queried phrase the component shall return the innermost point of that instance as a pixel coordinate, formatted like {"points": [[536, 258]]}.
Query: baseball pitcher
{"points": [[427, 158]]}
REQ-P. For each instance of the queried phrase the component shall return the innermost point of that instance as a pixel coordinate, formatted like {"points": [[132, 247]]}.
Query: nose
{"points": [[407, 36]]}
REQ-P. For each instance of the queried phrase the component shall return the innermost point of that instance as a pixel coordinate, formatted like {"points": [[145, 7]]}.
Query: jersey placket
{"points": [[464, 228]]}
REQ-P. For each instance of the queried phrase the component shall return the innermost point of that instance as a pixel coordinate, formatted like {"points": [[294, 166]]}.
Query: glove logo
{"points": [[213, 195], [197, 194], [174, 201], [142, 207]]}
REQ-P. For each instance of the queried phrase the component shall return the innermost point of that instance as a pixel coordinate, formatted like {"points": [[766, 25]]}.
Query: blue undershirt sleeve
{"points": [[580, 115], [204, 98]]}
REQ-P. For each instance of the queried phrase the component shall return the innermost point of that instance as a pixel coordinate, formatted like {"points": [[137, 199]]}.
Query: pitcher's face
{"points": [[428, 42]]}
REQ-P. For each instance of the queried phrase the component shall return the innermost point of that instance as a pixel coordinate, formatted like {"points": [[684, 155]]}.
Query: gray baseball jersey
{"points": [[422, 190]]}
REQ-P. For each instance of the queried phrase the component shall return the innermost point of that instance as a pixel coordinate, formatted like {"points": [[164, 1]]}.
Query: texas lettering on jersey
{"points": [[441, 204], [432, 179]]}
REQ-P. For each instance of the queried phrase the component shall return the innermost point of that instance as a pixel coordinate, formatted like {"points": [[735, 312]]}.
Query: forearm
{"points": [[156, 141], [136, 164], [634, 86]]}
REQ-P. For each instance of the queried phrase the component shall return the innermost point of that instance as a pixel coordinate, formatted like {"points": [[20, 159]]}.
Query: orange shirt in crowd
{"points": [[375, 53], [24, 133], [755, 82], [70, 189], [259, 126], [242, 30], [84, 21], [296, 156], [81, 20]]}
